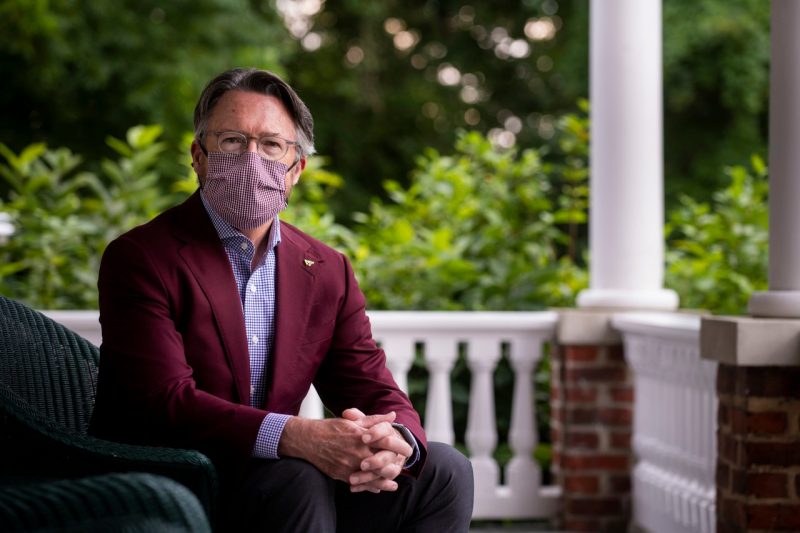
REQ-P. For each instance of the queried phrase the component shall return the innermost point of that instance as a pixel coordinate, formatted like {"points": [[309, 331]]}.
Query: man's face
{"points": [[255, 115]]}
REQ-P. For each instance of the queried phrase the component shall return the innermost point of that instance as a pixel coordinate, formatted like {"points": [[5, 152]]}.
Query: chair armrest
{"points": [[33, 447], [110, 502]]}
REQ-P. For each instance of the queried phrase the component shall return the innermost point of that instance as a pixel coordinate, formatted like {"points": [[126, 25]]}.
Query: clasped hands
{"points": [[366, 452]]}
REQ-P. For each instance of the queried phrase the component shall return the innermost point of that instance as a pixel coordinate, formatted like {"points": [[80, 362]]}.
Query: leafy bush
{"points": [[63, 216], [717, 252]]}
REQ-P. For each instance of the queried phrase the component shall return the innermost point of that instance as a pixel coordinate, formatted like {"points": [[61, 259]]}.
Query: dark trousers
{"points": [[292, 496]]}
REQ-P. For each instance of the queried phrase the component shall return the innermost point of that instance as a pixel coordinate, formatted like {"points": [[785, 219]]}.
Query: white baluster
{"points": [[399, 357], [482, 356], [440, 355], [523, 472]]}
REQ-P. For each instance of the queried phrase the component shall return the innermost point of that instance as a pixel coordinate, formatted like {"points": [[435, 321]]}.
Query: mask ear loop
{"points": [[296, 160]]}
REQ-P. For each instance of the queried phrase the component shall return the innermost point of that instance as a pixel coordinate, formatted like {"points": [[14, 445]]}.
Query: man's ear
{"points": [[199, 160], [301, 165]]}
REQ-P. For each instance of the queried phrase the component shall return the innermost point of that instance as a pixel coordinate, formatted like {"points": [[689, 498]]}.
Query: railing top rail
{"points": [[73, 316], [677, 326], [464, 321]]}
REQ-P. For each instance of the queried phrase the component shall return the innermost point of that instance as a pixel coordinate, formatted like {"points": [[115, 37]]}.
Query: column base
{"points": [[775, 304], [661, 299]]}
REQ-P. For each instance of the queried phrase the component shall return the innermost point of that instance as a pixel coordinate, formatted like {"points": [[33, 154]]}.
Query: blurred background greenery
{"points": [[453, 140], [385, 80]]}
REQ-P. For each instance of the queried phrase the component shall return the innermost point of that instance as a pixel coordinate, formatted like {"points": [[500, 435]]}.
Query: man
{"points": [[217, 317]]}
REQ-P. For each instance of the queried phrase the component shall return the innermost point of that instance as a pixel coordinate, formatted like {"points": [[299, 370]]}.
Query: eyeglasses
{"points": [[271, 147]]}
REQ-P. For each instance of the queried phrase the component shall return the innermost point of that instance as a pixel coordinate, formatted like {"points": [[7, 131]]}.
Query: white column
{"points": [[626, 224], [783, 297]]}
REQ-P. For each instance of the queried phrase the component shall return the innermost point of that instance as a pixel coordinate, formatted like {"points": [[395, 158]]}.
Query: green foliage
{"points": [[77, 70], [717, 251], [64, 216], [480, 229]]}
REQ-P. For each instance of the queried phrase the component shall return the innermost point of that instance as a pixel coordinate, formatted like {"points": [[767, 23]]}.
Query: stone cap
{"points": [[748, 341]]}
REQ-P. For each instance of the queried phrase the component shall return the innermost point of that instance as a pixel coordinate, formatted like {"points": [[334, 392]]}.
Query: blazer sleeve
{"points": [[146, 387], [354, 372]]}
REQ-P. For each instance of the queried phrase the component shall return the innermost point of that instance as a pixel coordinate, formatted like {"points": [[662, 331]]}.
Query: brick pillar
{"points": [[758, 464], [592, 412]]}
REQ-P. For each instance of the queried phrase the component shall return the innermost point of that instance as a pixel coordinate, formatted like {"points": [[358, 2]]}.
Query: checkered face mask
{"points": [[245, 190]]}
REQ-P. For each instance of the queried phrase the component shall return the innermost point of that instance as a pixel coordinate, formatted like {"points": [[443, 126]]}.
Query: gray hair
{"points": [[262, 82]]}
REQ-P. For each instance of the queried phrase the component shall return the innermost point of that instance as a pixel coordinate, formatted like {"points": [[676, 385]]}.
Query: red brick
{"points": [[775, 382], [572, 524], [593, 506], [723, 476], [731, 511], [615, 354], [581, 484], [582, 415], [727, 378], [581, 395], [620, 484], [723, 416], [770, 422], [581, 353], [595, 462], [738, 420], [772, 453], [554, 390], [728, 447], [616, 525], [622, 394], [621, 440], [603, 374], [581, 439], [767, 485], [615, 416], [554, 434], [773, 517]]}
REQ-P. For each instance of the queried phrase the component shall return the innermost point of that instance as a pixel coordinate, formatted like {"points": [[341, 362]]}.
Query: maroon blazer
{"points": [[174, 365]]}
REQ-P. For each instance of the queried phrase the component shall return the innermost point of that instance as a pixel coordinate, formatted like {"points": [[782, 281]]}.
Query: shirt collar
{"points": [[226, 231]]}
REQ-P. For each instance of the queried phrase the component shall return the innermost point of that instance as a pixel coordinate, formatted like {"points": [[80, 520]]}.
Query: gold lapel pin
{"points": [[308, 262]]}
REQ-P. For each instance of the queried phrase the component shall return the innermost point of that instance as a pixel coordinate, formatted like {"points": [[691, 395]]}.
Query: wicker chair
{"points": [[129, 503], [47, 388]]}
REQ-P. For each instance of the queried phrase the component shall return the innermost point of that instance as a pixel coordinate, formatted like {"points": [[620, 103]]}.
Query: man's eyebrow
{"points": [[263, 133]]}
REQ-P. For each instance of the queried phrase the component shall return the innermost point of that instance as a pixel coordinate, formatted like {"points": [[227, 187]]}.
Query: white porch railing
{"points": [[522, 496], [675, 422]]}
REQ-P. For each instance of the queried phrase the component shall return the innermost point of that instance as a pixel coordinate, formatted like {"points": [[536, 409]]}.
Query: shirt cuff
{"points": [[412, 441], [269, 435]]}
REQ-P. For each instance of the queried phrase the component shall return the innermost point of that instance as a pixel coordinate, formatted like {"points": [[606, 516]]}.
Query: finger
{"points": [[378, 461], [371, 420], [361, 478], [376, 486], [378, 431], [353, 414], [393, 443]]}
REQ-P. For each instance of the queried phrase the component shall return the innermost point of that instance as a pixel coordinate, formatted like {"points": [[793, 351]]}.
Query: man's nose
{"points": [[252, 144]]}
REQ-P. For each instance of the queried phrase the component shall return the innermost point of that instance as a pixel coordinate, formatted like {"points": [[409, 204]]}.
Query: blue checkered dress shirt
{"points": [[257, 293]]}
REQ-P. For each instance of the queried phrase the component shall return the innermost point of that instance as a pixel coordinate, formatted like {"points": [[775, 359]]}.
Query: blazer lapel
{"points": [[205, 256]]}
